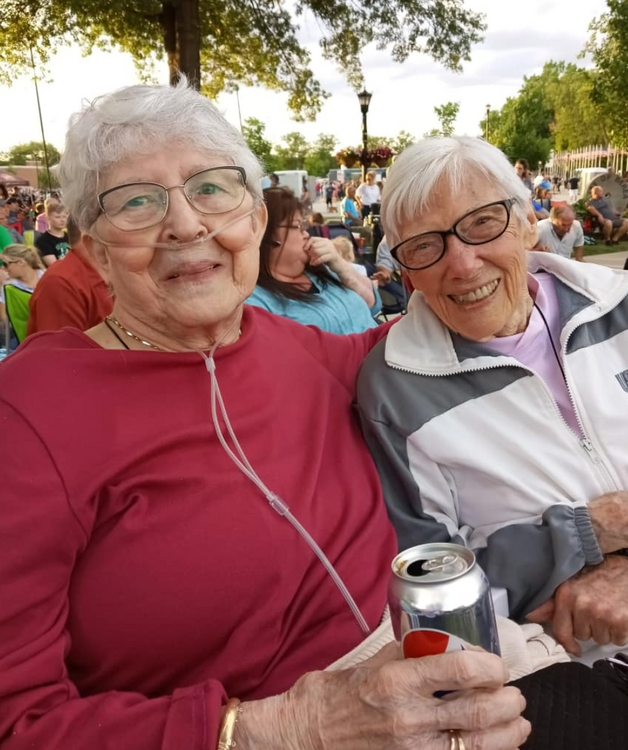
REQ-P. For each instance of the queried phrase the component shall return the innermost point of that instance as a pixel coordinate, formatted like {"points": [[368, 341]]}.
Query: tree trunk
{"points": [[169, 26], [189, 40]]}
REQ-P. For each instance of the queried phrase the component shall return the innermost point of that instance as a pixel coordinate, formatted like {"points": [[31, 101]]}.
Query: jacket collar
{"points": [[420, 343]]}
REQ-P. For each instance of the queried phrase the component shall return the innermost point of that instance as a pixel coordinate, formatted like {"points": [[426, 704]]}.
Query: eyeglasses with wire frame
{"points": [[478, 227], [141, 205]]}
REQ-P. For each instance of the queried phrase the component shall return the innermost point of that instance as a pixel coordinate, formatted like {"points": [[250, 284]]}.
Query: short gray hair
{"points": [[454, 161], [562, 210], [137, 120]]}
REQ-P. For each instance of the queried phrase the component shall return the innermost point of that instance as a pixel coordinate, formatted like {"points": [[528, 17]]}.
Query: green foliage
{"points": [[292, 155], [254, 131], [33, 151], [44, 182], [402, 141], [319, 159], [553, 110], [220, 43], [446, 115], [608, 47]]}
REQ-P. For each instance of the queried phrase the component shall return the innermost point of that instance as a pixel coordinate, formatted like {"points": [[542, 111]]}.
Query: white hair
{"points": [[139, 120], [451, 163]]}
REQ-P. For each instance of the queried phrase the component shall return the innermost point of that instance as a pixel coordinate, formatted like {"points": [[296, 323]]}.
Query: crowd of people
{"points": [[197, 554]]}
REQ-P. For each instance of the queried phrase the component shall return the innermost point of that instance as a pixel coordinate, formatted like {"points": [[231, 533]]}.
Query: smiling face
{"points": [[177, 289], [477, 291]]}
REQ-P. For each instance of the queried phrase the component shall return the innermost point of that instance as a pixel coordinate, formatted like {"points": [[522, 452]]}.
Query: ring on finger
{"points": [[455, 740]]}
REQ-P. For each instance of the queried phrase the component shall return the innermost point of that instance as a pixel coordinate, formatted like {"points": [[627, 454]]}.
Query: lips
{"points": [[475, 295], [192, 269]]}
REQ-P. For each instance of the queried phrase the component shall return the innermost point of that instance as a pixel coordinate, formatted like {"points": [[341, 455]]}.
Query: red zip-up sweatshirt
{"points": [[143, 578]]}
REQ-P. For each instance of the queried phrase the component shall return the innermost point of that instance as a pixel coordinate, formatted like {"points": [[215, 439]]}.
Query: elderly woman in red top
{"points": [[187, 532]]}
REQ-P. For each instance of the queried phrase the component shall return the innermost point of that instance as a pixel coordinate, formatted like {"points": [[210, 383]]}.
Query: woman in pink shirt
{"points": [[191, 526]]}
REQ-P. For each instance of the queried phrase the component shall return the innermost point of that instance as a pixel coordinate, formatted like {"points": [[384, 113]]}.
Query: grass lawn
{"points": [[602, 249]]}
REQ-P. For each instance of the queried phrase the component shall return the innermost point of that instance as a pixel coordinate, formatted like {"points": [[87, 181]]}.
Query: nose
{"points": [[462, 259], [182, 222]]}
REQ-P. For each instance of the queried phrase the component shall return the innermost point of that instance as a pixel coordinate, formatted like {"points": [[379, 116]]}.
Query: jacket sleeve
{"points": [[40, 707], [530, 559]]}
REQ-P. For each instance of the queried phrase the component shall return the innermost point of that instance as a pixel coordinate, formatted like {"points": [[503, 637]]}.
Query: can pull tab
{"points": [[439, 563]]}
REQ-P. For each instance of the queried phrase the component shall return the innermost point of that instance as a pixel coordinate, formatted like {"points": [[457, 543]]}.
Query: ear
{"points": [[530, 231]]}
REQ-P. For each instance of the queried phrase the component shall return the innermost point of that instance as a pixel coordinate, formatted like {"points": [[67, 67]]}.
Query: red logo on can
{"points": [[417, 643]]}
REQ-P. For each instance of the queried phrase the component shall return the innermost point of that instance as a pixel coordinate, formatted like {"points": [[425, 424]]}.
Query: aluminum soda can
{"points": [[440, 600]]}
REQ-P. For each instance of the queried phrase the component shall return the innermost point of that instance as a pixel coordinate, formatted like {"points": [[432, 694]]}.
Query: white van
{"points": [[292, 179]]}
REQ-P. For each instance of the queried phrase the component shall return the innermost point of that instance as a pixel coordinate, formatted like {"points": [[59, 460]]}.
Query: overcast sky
{"points": [[521, 37]]}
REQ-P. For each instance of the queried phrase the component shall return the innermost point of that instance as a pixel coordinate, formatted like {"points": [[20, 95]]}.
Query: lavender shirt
{"points": [[533, 347]]}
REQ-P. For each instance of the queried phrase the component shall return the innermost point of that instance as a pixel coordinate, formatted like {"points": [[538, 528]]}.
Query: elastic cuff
{"points": [[590, 546]]}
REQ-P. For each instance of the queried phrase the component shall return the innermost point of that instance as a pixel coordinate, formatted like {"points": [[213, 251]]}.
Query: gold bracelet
{"points": [[227, 726]]}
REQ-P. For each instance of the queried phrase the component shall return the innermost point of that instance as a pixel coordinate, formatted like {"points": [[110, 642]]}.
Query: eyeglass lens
{"points": [[477, 228], [143, 204]]}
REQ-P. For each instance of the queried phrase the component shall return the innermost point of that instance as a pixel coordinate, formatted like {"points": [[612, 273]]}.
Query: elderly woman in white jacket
{"points": [[496, 409]]}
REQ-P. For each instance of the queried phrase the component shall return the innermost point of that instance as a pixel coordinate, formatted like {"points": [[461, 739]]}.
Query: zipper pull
{"points": [[588, 446]]}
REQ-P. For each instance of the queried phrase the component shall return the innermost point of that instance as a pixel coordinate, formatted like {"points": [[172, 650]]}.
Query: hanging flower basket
{"points": [[348, 156], [380, 156]]}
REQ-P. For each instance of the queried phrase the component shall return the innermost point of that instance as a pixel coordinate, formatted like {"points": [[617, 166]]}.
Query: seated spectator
{"points": [[561, 234], [304, 278], [53, 243], [542, 196], [388, 275], [72, 293], [613, 226], [16, 237], [24, 269], [316, 220], [496, 411], [344, 246], [349, 209]]}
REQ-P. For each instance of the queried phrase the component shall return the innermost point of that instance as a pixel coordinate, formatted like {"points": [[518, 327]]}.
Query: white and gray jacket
{"points": [[471, 446]]}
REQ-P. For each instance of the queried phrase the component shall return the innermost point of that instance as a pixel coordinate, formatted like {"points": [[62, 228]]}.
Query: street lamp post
{"points": [[487, 127], [365, 100]]}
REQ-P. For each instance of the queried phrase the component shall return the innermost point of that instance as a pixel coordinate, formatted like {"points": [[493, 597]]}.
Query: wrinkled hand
{"points": [[592, 604], [389, 704], [382, 275], [323, 252], [609, 517]]}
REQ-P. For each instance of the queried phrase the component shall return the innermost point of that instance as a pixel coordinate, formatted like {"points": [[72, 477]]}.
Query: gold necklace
{"points": [[117, 323]]}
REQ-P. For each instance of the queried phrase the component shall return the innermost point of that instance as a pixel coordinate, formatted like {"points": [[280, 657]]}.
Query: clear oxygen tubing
{"points": [[276, 503], [178, 245]]}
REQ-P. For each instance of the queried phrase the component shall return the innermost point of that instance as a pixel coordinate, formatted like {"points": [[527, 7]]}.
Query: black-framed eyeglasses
{"points": [[478, 227], [300, 225], [141, 205]]}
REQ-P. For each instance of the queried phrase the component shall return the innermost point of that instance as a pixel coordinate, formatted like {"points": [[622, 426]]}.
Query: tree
{"points": [[33, 151], [320, 158], [553, 110], [220, 43], [608, 47], [293, 154], [254, 131], [401, 142], [447, 115]]}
